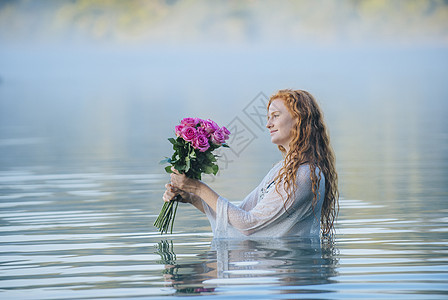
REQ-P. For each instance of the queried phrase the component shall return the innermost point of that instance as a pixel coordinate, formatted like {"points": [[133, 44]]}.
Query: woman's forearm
{"points": [[197, 202], [207, 194]]}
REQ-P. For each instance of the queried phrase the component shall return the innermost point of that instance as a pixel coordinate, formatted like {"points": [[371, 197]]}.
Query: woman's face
{"points": [[280, 122]]}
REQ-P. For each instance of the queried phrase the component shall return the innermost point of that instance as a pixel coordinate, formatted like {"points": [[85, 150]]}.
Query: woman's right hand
{"points": [[171, 192]]}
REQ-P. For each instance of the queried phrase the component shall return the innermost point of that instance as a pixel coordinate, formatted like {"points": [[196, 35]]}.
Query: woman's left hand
{"points": [[184, 183]]}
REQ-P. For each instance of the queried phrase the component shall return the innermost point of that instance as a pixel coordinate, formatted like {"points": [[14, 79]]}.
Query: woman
{"points": [[299, 195]]}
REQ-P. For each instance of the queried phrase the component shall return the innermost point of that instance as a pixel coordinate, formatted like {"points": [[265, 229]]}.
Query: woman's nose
{"points": [[268, 124]]}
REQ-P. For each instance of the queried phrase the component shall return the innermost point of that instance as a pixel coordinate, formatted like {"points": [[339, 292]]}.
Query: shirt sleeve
{"points": [[218, 220], [272, 208], [251, 200]]}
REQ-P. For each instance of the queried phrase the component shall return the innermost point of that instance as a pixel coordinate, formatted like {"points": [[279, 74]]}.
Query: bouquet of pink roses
{"points": [[193, 147]]}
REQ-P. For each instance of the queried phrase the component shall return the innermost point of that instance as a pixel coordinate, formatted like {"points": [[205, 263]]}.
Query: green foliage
{"points": [[190, 161]]}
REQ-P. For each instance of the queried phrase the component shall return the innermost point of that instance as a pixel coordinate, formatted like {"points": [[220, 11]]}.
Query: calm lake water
{"points": [[80, 183]]}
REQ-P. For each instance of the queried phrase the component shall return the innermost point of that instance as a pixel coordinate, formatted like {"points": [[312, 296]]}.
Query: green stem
{"points": [[167, 215], [174, 216], [165, 212]]}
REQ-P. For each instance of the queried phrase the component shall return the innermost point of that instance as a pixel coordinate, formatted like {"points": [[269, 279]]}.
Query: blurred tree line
{"points": [[172, 21]]}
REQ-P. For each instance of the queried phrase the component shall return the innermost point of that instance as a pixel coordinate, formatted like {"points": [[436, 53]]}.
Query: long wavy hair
{"points": [[310, 145]]}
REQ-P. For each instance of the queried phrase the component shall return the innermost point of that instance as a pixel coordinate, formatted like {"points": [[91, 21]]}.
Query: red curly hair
{"points": [[310, 145]]}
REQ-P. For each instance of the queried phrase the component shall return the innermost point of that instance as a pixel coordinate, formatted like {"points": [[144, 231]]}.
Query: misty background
{"points": [[100, 85]]}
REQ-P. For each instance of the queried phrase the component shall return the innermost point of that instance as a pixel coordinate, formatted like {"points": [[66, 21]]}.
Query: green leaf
{"points": [[187, 164], [208, 169], [172, 141], [192, 152], [210, 157], [168, 169], [215, 169], [179, 166], [180, 142], [225, 146], [166, 160]]}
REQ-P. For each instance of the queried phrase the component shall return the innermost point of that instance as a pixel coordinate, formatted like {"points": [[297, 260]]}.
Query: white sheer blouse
{"points": [[262, 213]]}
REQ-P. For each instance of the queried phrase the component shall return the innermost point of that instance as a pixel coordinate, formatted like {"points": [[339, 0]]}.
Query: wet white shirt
{"points": [[262, 213]]}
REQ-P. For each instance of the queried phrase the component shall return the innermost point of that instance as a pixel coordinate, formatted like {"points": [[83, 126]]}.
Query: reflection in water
{"points": [[273, 263]]}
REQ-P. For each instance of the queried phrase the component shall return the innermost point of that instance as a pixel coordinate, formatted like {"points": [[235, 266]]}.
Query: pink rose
{"points": [[201, 143], [202, 131], [226, 132], [189, 133], [178, 129], [210, 126], [190, 122], [218, 137]]}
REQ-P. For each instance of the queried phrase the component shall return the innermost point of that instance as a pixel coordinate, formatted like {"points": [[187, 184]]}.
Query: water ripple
{"points": [[90, 235]]}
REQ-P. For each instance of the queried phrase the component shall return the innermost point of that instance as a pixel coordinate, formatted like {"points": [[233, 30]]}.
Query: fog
{"points": [[84, 81]]}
